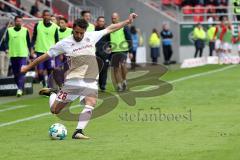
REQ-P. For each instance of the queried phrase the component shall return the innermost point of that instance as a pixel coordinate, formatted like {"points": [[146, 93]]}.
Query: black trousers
{"points": [[238, 17], [155, 53], [167, 52], [133, 60], [103, 64], [199, 46], [211, 48]]}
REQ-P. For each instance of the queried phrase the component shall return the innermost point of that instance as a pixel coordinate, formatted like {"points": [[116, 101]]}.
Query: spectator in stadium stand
{"points": [[87, 16], [48, 3], [211, 14], [210, 19], [18, 3], [8, 8], [4, 62], [20, 13], [236, 4], [45, 35], [167, 36], [223, 2], [187, 2], [35, 8], [199, 37], [5, 8], [2, 7], [223, 10], [135, 43], [199, 2], [102, 52], [211, 2], [154, 43], [212, 38], [18, 47]]}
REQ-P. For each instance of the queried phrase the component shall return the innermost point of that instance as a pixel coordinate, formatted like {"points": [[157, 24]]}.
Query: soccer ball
{"points": [[57, 131]]}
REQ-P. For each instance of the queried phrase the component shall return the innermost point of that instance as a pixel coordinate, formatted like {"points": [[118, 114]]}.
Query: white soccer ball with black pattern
{"points": [[57, 131]]}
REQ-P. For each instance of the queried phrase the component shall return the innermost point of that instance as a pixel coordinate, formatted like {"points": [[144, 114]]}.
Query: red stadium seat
{"points": [[178, 2], [13, 2], [211, 8], [199, 9], [198, 19], [166, 2], [187, 9]]}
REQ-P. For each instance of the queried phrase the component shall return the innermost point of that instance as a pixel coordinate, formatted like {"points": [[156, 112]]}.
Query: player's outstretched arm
{"points": [[40, 59], [117, 26]]}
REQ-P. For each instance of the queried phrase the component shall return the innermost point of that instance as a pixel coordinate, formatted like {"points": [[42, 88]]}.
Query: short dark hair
{"points": [[100, 17], [16, 17], [81, 23], [45, 11], [133, 30], [222, 18], [84, 12], [64, 19]]}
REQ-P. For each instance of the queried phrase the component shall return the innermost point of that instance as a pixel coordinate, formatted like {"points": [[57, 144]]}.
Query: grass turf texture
{"points": [[213, 133]]}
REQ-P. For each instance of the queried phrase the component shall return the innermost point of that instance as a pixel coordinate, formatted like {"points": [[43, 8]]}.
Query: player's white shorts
{"points": [[227, 46], [77, 88], [218, 44]]}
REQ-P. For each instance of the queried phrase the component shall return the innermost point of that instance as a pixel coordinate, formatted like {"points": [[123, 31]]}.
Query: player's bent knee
{"points": [[55, 109], [91, 101]]}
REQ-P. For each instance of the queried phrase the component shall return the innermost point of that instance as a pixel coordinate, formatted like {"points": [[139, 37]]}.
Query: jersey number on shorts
{"points": [[62, 95]]}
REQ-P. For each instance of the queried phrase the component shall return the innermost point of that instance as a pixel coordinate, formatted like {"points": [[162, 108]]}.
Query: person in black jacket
{"points": [[102, 48], [167, 36]]}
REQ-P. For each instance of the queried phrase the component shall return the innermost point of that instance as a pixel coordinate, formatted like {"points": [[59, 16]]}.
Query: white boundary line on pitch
{"points": [[25, 119], [202, 74], [13, 108], [173, 81], [190, 77], [30, 118]]}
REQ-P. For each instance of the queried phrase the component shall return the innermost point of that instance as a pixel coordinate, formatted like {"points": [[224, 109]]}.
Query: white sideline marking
{"points": [[145, 88], [173, 81], [201, 74], [13, 108], [24, 119], [189, 77], [30, 118]]}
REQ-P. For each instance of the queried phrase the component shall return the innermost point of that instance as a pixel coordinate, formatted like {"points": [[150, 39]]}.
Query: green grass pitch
{"points": [[211, 133]]}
